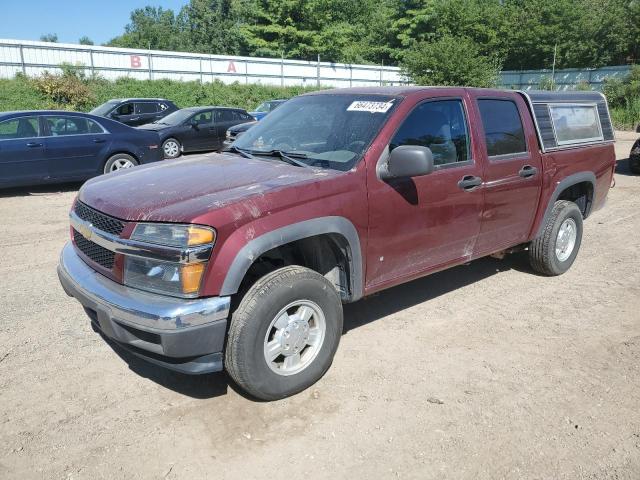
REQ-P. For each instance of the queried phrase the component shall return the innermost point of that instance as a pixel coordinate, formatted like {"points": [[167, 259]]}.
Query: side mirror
{"points": [[407, 161], [115, 116]]}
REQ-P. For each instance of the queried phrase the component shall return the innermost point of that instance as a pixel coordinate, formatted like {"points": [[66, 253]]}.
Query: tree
{"points": [[151, 27], [49, 37], [84, 40], [212, 26], [450, 61]]}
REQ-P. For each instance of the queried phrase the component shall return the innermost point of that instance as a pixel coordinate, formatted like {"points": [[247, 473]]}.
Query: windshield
{"points": [[103, 109], [329, 131], [263, 107], [176, 118]]}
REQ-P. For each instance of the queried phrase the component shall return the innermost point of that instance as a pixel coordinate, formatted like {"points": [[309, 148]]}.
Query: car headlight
{"points": [[170, 278]]}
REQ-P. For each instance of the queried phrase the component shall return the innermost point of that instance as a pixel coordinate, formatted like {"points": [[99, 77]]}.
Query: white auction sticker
{"points": [[372, 107]]}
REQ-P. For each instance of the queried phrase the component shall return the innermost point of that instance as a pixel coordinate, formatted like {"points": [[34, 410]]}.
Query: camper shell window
{"points": [[569, 119]]}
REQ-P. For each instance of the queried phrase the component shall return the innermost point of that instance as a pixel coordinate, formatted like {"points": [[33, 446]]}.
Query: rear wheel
{"points": [[555, 250], [634, 163], [284, 334], [171, 148], [119, 161]]}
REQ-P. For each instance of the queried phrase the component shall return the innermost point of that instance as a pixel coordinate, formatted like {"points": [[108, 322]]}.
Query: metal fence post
{"points": [[246, 71], [350, 75], [282, 69], [318, 71], [93, 68], [200, 70], [381, 67], [24, 69], [150, 67]]}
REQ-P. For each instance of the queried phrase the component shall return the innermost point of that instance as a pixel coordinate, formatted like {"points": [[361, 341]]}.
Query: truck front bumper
{"points": [[179, 334]]}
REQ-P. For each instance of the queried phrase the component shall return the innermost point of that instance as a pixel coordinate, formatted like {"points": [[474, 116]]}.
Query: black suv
{"points": [[135, 111]]}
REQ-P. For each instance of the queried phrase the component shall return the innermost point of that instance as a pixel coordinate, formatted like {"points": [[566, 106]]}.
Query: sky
{"points": [[71, 19]]}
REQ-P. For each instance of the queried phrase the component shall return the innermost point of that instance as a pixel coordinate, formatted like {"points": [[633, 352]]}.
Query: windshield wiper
{"points": [[239, 151], [289, 157]]}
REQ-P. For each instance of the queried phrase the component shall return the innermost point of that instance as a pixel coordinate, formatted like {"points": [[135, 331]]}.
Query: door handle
{"points": [[527, 171], [98, 140], [469, 182], [34, 144]]}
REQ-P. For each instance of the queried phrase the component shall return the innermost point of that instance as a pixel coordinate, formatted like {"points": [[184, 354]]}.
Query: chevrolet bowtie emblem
{"points": [[85, 230]]}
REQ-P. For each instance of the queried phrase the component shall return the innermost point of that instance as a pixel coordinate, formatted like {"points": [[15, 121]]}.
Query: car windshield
{"points": [[328, 131], [103, 109], [177, 117], [263, 107]]}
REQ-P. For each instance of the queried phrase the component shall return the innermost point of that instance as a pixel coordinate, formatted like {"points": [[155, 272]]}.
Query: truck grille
{"points": [[99, 220], [95, 252]]}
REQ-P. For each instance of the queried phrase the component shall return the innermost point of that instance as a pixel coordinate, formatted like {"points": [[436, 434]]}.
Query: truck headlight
{"points": [[169, 278]]}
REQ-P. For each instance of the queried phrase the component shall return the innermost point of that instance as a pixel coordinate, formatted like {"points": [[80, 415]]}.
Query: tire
{"points": [[634, 164], [119, 161], [555, 250], [298, 291], [171, 148]]}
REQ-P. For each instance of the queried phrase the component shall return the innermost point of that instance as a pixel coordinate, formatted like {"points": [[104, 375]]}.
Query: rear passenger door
{"points": [[22, 153], [224, 119], [145, 112], [74, 146], [513, 171]]}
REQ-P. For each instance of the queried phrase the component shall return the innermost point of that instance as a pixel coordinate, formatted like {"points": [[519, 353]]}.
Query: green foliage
{"points": [[84, 40], [61, 91], [450, 61], [49, 37], [68, 90], [624, 99]]}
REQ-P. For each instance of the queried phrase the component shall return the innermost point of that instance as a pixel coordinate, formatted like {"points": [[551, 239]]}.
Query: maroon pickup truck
{"points": [[242, 260]]}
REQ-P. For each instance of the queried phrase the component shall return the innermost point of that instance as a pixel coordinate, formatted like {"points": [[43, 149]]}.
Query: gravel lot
{"points": [[486, 371]]}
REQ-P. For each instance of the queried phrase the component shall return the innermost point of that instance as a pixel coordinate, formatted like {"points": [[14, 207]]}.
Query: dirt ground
{"points": [[486, 371]]}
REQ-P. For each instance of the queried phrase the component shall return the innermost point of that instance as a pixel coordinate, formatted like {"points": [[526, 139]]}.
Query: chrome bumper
{"points": [[180, 334]]}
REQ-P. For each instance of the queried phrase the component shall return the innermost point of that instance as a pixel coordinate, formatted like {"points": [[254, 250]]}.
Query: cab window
{"points": [[503, 131], [441, 126], [23, 127]]}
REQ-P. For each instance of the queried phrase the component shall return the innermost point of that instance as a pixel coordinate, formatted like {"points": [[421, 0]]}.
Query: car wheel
{"points": [[119, 161], [284, 333], [171, 148], [555, 250], [634, 163]]}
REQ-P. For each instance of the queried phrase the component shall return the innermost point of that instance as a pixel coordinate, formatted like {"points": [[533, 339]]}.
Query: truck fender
{"points": [[565, 183], [290, 233]]}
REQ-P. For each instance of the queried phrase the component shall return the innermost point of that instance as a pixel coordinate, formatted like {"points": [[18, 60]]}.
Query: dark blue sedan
{"points": [[52, 147]]}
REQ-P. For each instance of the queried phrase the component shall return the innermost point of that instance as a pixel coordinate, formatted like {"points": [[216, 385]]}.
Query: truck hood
{"points": [[182, 190]]}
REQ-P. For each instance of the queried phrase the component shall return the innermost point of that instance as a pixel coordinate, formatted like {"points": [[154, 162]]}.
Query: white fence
{"points": [[33, 58], [565, 79]]}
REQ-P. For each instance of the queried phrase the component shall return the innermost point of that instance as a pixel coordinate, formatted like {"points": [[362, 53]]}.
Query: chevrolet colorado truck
{"points": [[242, 260]]}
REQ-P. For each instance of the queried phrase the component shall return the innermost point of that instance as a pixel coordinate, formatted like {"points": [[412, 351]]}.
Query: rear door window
{"points": [[146, 107], [59, 126], [23, 127], [503, 131], [225, 116]]}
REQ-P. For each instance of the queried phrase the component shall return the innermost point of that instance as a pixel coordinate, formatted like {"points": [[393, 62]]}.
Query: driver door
{"points": [[425, 223], [197, 137]]}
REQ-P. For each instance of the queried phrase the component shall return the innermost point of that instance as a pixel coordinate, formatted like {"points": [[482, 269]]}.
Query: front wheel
{"points": [[119, 162], [171, 148], [284, 334], [555, 250], [634, 161]]}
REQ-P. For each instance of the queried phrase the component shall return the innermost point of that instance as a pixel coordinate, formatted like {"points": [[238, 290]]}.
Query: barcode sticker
{"points": [[372, 107]]}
